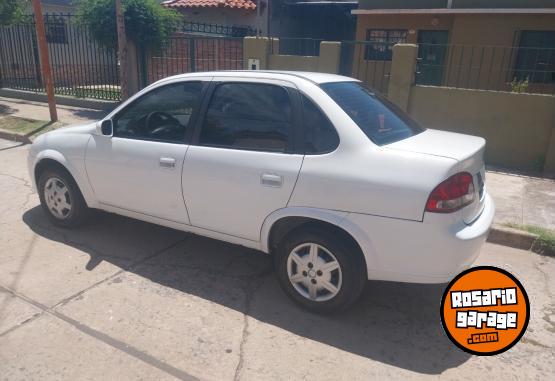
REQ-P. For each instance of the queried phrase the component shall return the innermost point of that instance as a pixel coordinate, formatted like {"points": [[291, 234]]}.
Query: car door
{"points": [[242, 164], [139, 168]]}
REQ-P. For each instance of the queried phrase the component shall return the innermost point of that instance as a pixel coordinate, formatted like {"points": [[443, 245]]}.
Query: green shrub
{"points": [[520, 86], [147, 23], [11, 11], [545, 244]]}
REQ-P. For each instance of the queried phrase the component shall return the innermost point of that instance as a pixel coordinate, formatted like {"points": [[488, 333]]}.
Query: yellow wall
{"points": [[518, 127], [284, 62], [496, 30], [480, 55]]}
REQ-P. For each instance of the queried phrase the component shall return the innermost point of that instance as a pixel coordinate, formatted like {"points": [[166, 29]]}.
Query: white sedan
{"points": [[328, 177]]}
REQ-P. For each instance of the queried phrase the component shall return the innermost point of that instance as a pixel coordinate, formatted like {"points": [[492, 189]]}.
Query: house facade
{"points": [[485, 44]]}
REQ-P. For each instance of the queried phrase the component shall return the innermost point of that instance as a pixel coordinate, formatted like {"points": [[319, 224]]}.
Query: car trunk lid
{"points": [[467, 150]]}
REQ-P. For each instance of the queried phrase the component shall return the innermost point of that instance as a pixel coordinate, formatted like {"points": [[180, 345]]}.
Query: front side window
{"points": [[248, 116], [319, 134], [380, 43], [162, 114], [536, 57], [378, 118]]}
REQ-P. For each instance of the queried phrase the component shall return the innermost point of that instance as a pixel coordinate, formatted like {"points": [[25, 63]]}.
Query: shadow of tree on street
{"points": [[394, 323]]}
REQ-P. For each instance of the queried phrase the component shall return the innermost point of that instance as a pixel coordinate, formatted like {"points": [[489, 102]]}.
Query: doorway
{"points": [[432, 46]]}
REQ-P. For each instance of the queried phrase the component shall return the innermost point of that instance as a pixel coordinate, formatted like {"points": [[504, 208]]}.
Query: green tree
{"points": [[147, 23], [11, 11]]}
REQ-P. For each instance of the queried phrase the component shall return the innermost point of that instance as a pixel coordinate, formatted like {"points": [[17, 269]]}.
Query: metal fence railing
{"points": [[198, 28], [80, 66], [297, 46], [514, 69], [367, 61]]}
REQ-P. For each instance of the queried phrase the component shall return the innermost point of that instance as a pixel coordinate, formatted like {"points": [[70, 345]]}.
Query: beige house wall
{"points": [[480, 55], [284, 62], [519, 128], [259, 48]]}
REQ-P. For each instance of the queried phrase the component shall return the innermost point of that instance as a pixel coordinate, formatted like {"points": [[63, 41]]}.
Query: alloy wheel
{"points": [[314, 272], [57, 198]]}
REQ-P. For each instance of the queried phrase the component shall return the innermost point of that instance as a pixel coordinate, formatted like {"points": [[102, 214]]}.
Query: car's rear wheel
{"points": [[61, 199], [320, 270]]}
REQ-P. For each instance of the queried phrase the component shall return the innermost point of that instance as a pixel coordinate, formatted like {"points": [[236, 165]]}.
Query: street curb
{"points": [[15, 137], [506, 236]]}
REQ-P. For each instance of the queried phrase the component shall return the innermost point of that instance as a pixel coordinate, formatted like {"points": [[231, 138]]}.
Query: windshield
{"points": [[378, 118]]}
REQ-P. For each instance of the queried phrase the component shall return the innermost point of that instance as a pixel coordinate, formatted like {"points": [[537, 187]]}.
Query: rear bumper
{"points": [[432, 251]]}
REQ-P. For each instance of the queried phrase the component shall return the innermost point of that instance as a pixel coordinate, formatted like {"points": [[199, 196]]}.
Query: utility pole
{"points": [[122, 50], [44, 60]]}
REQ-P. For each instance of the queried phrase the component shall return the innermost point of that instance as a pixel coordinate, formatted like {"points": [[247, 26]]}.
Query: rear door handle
{"points": [[271, 180], [167, 162]]}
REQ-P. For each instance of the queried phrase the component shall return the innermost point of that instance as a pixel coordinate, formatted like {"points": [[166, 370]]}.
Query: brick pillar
{"points": [[403, 66]]}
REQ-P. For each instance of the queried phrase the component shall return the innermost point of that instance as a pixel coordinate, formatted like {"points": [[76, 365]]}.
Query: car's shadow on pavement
{"points": [[393, 323]]}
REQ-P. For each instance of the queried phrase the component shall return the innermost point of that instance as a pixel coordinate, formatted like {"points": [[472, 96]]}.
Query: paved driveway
{"points": [[122, 299]]}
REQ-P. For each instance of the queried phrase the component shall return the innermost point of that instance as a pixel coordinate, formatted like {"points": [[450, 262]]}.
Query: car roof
{"points": [[293, 76]]}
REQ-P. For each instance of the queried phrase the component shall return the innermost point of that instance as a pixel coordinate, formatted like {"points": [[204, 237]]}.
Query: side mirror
{"points": [[106, 128]]}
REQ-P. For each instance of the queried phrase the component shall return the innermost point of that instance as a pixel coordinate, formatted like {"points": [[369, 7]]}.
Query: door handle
{"points": [[167, 162], [271, 180]]}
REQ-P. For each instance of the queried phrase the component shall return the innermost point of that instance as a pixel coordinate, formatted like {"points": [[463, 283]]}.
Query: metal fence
{"points": [[515, 69], [198, 28], [80, 66], [186, 54], [297, 46], [367, 61]]}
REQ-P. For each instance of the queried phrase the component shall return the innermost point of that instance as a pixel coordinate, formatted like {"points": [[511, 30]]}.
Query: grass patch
{"points": [[545, 244], [27, 127]]}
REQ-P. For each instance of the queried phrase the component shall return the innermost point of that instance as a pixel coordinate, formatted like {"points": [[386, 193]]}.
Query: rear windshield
{"points": [[379, 119]]}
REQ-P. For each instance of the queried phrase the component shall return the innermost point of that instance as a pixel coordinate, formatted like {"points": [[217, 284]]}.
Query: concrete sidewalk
{"points": [[522, 200], [39, 111]]}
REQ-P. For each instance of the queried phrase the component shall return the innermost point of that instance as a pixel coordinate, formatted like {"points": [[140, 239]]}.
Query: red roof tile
{"points": [[237, 4]]}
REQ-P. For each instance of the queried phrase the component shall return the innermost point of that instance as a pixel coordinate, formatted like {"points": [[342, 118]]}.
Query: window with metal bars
{"points": [[380, 43], [536, 57]]}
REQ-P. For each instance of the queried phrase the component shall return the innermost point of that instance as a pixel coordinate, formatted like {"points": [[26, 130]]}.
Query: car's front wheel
{"points": [[61, 199], [320, 270]]}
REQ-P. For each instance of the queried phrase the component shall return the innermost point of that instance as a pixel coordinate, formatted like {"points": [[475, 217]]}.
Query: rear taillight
{"points": [[451, 195]]}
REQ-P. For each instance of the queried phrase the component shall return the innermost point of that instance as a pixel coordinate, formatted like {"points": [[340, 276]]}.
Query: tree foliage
{"points": [[147, 23], [11, 11]]}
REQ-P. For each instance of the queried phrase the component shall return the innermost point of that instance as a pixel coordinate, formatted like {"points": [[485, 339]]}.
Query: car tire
{"points": [[61, 198], [333, 282]]}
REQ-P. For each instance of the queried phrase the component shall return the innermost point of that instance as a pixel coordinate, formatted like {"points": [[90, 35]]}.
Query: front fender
{"points": [[74, 165]]}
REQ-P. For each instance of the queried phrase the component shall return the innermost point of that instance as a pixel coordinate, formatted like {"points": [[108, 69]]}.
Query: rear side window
{"points": [[248, 116], [319, 134], [379, 119]]}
